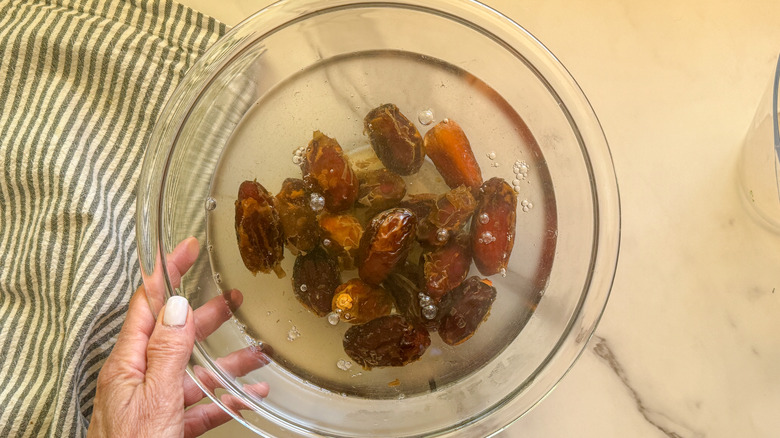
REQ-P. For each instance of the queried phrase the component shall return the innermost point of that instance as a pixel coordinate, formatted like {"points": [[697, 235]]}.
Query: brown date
{"points": [[258, 231], [388, 341], [379, 190], [341, 237], [493, 227], [327, 170], [358, 302], [299, 221], [450, 212], [405, 287], [395, 139], [450, 151], [385, 244], [445, 267], [315, 278], [466, 307]]}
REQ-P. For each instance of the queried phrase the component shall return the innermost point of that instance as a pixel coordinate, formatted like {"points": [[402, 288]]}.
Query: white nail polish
{"points": [[176, 311]]}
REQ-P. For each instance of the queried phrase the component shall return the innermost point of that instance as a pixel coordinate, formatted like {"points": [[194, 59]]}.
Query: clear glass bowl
{"points": [[305, 65]]}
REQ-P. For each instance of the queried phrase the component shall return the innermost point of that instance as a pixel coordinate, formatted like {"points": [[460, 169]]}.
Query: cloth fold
{"points": [[81, 85]]}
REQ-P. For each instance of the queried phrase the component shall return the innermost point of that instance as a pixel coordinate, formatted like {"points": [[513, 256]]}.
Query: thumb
{"points": [[169, 348]]}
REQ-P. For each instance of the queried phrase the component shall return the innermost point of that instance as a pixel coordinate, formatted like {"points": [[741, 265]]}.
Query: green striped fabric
{"points": [[81, 85]]}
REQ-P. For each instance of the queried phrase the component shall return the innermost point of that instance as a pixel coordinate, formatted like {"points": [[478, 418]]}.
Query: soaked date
{"points": [[449, 214], [385, 244], [379, 190], [467, 306], [445, 267], [450, 151], [298, 220], [395, 139], [405, 287], [358, 302], [341, 235], [258, 229], [493, 234], [388, 341], [316, 276], [327, 170]]}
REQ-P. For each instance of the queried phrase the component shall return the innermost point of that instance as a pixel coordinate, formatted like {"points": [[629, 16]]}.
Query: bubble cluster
{"points": [[487, 238], [217, 278], [344, 365], [211, 204], [293, 334], [526, 205], [317, 202], [425, 300], [298, 156], [520, 169], [491, 155], [503, 272]]}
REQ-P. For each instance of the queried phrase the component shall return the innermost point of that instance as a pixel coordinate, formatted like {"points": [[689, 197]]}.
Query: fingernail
{"points": [[176, 309]]}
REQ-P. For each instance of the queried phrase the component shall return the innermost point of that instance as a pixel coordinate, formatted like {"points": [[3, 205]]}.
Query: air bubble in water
{"points": [[491, 155], [425, 117], [442, 235], [503, 272], [344, 365], [297, 159], [333, 318], [217, 278], [293, 334], [495, 164], [425, 300], [516, 182], [316, 202], [211, 204], [484, 218], [326, 242], [304, 288], [430, 311], [487, 238]]}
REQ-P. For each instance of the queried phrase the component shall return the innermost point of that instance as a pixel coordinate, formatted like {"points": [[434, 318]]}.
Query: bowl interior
{"points": [[294, 68]]}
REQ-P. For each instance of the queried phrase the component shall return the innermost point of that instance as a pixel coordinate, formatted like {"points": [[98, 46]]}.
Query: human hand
{"points": [[143, 389]]}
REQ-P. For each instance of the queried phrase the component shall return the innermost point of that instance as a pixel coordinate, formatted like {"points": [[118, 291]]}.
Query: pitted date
{"points": [[395, 139], [327, 170], [493, 230], [466, 307], [445, 267], [379, 190], [448, 216], [298, 220], [341, 235], [315, 278], [358, 302], [449, 149], [258, 230], [388, 341], [385, 244]]}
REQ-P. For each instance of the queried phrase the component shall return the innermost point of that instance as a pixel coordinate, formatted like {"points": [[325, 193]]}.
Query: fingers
{"points": [[215, 312], [202, 418], [177, 263], [169, 349], [129, 353], [236, 364]]}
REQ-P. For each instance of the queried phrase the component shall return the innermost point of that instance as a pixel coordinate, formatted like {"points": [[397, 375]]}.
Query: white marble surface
{"points": [[687, 345]]}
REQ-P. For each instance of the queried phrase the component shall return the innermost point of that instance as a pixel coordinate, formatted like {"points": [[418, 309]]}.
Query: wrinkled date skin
{"points": [[493, 227], [358, 302], [385, 244], [466, 307], [450, 212], [299, 221], [444, 268], [315, 278], [389, 341], [258, 230], [341, 235], [405, 288], [327, 170], [379, 190], [450, 151], [395, 139]]}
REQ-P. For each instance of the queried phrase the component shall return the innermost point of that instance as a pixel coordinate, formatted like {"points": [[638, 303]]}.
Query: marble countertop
{"points": [[686, 346]]}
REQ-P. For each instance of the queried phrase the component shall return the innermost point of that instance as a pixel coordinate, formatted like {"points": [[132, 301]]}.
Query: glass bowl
{"points": [[257, 95]]}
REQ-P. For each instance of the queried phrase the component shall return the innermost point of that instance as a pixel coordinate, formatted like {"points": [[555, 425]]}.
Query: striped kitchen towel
{"points": [[81, 85]]}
